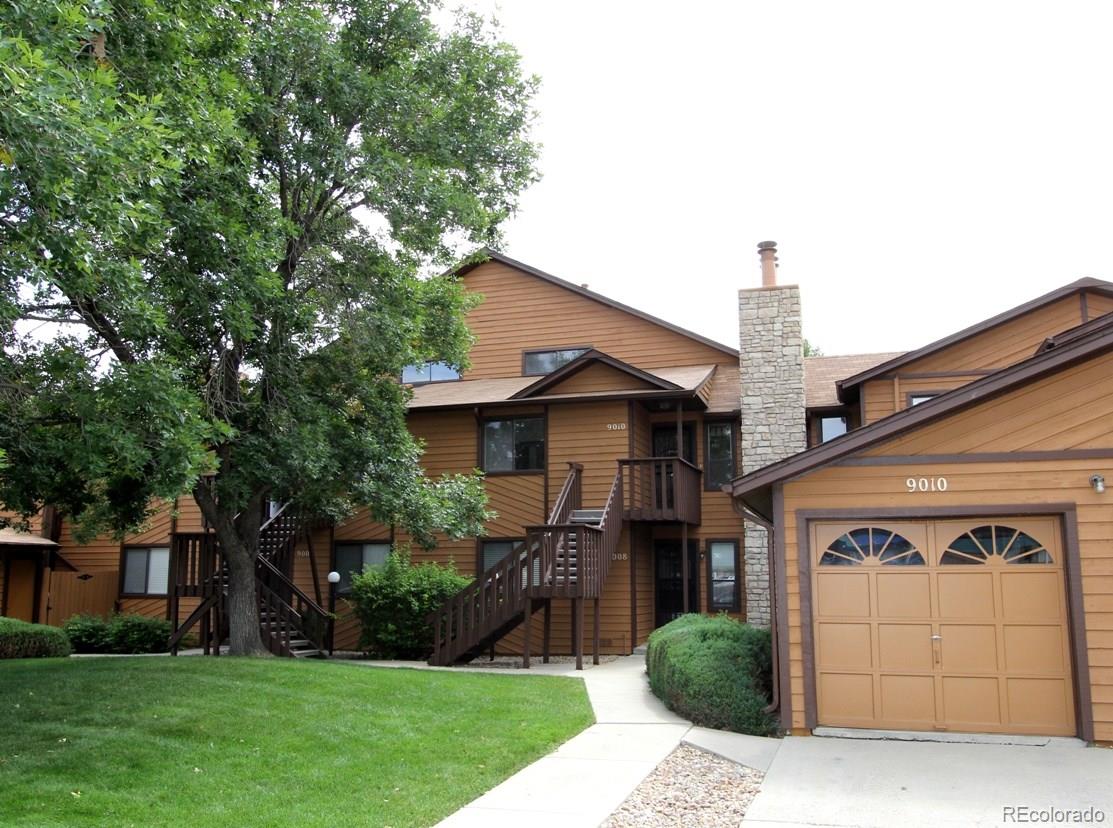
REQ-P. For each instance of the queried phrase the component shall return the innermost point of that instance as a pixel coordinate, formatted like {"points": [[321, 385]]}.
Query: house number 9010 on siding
{"points": [[616, 426], [926, 484]]}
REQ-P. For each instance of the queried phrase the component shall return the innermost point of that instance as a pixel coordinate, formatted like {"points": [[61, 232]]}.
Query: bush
{"points": [[128, 634], [717, 672], [138, 634], [18, 639], [392, 603], [88, 633]]}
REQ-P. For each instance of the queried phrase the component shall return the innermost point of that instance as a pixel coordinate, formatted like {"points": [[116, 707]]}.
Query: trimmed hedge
{"points": [[392, 603], [714, 671], [125, 634], [18, 639]]}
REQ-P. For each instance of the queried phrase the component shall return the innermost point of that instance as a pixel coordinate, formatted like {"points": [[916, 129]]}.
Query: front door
{"points": [[669, 580], [20, 588]]}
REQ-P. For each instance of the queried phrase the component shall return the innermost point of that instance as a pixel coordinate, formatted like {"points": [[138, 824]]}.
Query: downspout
{"points": [[746, 514]]}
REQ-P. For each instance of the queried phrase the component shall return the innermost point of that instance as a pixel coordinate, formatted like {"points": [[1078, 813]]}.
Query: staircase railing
{"points": [[497, 596], [661, 489]]}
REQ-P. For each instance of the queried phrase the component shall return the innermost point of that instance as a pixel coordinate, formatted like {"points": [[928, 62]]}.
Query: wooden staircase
{"points": [[290, 622], [567, 557]]}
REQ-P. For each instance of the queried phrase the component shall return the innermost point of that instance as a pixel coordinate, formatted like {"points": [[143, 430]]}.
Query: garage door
{"points": [[942, 625]]}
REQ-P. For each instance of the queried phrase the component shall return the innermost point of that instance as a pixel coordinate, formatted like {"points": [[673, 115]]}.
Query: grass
{"points": [[218, 742]]}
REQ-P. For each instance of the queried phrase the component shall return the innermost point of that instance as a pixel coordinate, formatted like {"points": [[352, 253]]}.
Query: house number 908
{"points": [[926, 484]]}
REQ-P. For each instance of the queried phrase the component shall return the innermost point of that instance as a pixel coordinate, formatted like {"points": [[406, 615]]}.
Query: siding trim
{"points": [[1067, 513], [781, 575], [977, 457]]}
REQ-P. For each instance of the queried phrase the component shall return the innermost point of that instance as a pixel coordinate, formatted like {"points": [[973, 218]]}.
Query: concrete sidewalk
{"points": [[588, 777]]}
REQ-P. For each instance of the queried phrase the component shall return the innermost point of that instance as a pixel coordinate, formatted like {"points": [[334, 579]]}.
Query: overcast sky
{"points": [[922, 166]]}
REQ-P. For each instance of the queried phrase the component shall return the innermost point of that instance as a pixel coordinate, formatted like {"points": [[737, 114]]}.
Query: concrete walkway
{"points": [[853, 782]]}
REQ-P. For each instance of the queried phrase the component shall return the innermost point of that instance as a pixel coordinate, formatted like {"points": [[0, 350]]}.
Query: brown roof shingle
{"points": [[822, 372]]}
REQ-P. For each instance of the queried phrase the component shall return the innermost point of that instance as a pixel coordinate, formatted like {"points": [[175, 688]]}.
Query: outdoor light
{"points": [[1098, 482], [334, 577]]}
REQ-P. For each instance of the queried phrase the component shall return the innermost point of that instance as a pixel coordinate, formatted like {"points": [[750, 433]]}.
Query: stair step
{"points": [[587, 516]]}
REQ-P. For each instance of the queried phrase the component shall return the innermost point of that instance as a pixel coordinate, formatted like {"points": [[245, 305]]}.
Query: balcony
{"points": [[661, 490]]}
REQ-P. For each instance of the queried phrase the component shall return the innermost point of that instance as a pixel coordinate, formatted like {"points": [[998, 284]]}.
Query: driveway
{"points": [[855, 782]]}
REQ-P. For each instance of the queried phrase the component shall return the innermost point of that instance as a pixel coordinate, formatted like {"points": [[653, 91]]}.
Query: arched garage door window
{"points": [[871, 543], [1011, 545]]}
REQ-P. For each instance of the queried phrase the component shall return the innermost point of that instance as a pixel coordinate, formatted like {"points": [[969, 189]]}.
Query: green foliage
{"points": [[392, 603], [812, 350], [715, 671], [18, 639], [125, 634], [216, 230], [88, 633]]}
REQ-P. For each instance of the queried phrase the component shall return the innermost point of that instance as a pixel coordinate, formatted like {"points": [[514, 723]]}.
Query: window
{"points": [[977, 545], [516, 444], [493, 551], [871, 543], [916, 399], [146, 570], [831, 427], [664, 441], [722, 559], [356, 557], [545, 362], [429, 372], [718, 454]]}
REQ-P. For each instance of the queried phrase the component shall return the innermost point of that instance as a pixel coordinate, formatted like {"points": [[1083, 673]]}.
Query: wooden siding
{"points": [[521, 312], [599, 377], [1066, 411], [1098, 305], [579, 433], [883, 397], [863, 488]]}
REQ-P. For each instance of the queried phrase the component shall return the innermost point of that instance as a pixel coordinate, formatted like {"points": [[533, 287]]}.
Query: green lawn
{"points": [[237, 742]]}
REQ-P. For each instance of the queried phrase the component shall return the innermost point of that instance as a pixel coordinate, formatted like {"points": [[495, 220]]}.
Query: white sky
{"points": [[922, 166]]}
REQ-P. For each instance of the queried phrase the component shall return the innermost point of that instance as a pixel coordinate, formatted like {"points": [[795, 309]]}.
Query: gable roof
{"points": [[1086, 284], [592, 357], [1093, 342], [822, 374], [487, 254]]}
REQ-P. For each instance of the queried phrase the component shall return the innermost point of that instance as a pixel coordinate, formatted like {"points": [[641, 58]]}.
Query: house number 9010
{"points": [[926, 484], [616, 426]]}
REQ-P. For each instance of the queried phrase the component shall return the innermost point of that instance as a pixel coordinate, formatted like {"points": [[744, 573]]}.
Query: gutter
{"points": [[747, 514]]}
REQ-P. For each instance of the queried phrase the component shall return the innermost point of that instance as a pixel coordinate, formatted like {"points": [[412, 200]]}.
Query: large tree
{"points": [[214, 222]]}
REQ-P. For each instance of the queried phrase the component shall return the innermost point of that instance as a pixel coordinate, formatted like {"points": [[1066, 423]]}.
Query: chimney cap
{"points": [[767, 245]]}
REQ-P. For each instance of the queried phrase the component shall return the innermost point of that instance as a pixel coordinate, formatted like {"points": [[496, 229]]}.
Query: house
{"points": [[948, 565]]}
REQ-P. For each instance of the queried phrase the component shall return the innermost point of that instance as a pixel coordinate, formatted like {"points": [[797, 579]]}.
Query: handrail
{"points": [[570, 495], [662, 489]]}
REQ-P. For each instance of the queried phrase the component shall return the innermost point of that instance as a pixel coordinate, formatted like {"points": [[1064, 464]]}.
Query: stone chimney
{"points": [[771, 366]]}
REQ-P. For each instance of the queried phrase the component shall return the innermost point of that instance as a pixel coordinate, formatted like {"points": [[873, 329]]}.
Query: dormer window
{"points": [[429, 372], [541, 362]]}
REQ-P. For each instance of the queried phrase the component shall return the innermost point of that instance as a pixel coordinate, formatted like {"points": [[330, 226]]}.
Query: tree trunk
{"points": [[243, 607]]}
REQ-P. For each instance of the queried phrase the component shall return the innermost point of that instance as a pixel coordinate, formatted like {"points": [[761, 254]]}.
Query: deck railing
{"points": [[661, 489]]}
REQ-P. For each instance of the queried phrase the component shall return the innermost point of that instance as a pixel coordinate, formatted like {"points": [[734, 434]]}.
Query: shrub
{"points": [[128, 634], [138, 634], [717, 672], [392, 603], [18, 639], [88, 633]]}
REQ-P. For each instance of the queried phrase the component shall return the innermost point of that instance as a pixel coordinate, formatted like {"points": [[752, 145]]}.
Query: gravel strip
{"points": [[690, 788], [515, 662]]}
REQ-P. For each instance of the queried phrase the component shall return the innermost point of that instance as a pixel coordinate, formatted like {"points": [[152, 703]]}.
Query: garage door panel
{"points": [[845, 646], [843, 594], [965, 594], [969, 648], [903, 594], [1031, 595], [908, 699], [904, 647], [971, 702], [1040, 703], [969, 632], [847, 698], [1034, 649]]}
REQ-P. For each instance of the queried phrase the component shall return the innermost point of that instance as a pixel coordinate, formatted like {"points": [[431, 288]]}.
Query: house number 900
{"points": [[926, 484]]}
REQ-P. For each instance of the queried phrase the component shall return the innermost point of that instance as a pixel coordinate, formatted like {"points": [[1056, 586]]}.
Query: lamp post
{"points": [[333, 580]]}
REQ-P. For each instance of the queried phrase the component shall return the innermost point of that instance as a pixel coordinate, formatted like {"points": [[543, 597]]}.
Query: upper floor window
{"points": [[514, 444], [831, 427], [916, 399], [146, 570], [718, 454], [429, 372], [353, 558], [545, 362]]}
